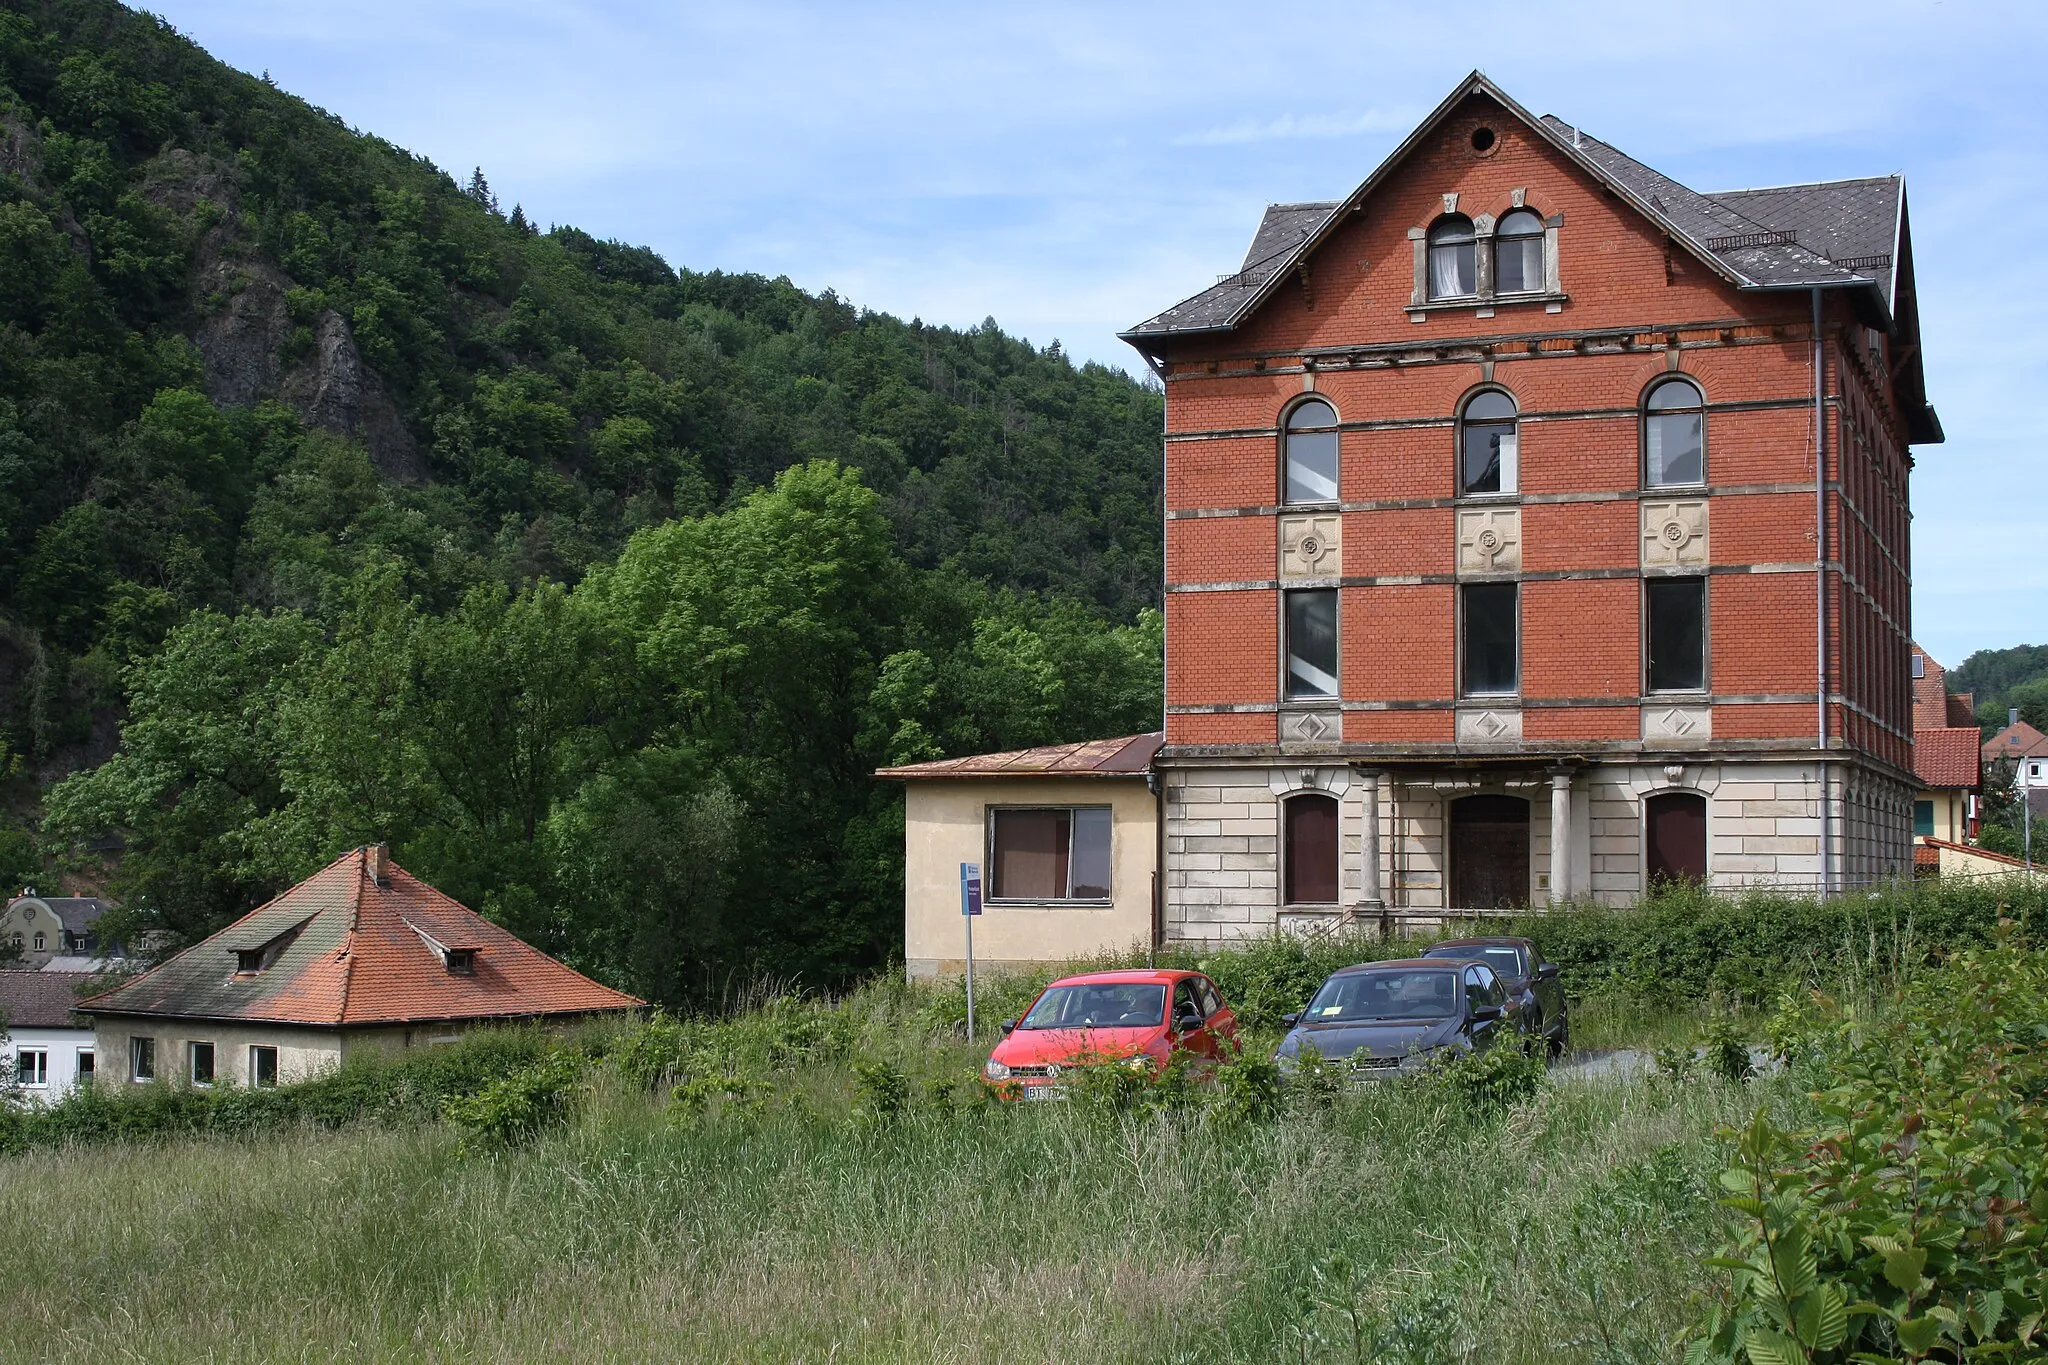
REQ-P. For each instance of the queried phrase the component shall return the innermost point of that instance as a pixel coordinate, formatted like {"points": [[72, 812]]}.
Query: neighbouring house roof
{"points": [[1129, 756], [77, 914], [1947, 756], [2001, 860], [41, 999], [2019, 740], [1841, 234], [348, 947]]}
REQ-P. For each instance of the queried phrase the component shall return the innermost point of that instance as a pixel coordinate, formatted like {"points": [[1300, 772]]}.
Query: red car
{"points": [[1141, 1018]]}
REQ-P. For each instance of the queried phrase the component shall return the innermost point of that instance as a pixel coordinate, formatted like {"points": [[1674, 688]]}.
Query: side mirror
{"points": [[1187, 1022], [1007, 1025], [1547, 972], [1290, 1020], [1484, 1014]]}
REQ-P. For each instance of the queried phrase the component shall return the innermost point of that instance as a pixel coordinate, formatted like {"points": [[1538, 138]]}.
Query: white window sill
{"points": [[1064, 903], [1484, 307]]}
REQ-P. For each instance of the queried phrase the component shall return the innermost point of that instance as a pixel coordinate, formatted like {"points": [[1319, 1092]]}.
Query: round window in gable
{"points": [[1483, 140]]}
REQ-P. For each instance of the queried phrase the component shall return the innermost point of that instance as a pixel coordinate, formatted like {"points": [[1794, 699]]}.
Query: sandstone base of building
{"points": [[1764, 820]]}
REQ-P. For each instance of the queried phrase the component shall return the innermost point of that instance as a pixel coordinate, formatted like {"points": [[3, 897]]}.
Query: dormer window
{"points": [[252, 958], [1453, 258], [1518, 254], [248, 961], [461, 962]]}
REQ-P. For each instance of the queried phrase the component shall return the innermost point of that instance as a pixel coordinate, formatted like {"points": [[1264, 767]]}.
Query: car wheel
{"points": [[1532, 1036]]}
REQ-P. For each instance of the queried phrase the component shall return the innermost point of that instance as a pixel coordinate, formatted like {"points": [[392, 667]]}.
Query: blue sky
{"points": [[1070, 169]]}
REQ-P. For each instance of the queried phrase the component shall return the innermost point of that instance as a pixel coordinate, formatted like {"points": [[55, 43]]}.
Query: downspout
{"points": [[1158, 774], [1820, 583]]}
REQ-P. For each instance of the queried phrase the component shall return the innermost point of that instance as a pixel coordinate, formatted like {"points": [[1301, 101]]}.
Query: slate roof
{"points": [[77, 914], [1744, 235], [1947, 757], [1128, 756], [41, 999], [346, 949]]}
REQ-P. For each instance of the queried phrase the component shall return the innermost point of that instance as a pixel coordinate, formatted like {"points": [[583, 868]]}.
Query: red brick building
{"points": [[1496, 568]]}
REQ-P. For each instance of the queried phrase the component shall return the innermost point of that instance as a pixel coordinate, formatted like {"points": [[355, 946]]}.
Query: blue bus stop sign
{"points": [[970, 888]]}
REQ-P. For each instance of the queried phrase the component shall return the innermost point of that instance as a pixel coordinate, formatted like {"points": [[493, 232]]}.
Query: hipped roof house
{"points": [[360, 944]]}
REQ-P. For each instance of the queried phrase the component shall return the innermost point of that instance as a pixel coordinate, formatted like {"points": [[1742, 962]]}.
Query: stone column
{"points": [[1370, 898], [1560, 834]]}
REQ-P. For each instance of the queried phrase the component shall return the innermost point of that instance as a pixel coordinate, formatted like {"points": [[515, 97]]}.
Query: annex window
{"points": [[1049, 853], [85, 1066], [262, 1066], [1488, 455], [1677, 632], [32, 1066], [1311, 446], [1453, 258], [1518, 254], [1923, 817], [142, 1058], [1310, 858], [1674, 435], [1312, 643], [1492, 639], [199, 1057]]}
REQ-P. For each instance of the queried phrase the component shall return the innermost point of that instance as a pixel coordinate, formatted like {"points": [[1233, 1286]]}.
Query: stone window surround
{"points": [[1694, 779], [1552, 296], [1677, 695]]}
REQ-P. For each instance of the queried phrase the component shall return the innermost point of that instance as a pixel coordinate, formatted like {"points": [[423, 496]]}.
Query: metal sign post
{"points": [[970, 906]]}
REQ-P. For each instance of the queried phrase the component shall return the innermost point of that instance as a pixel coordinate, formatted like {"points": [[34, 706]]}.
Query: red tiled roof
{"points": [[1946, 757], [1933, 845], [1124, 757], [2020, 740], [345, 949], [1926, 855]]}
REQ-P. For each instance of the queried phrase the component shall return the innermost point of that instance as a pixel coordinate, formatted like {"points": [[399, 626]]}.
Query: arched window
{"points": [[1487, 460], [1311, 446], [1674, 435], [1453, 258], [1310, 857], [1518, 254], [1675, 838]]}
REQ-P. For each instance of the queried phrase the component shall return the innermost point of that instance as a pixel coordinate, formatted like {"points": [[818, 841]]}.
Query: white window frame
{"points": [[42, 1057], [192, 1046], [255, 1083], [140, 1047]]}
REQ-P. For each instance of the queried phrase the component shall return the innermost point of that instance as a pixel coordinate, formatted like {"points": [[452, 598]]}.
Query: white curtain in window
{"points": [[1447, 280], [1509, 466]]}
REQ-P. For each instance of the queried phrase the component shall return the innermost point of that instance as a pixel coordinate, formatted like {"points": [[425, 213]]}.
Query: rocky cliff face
{"points": [[247, 331]]}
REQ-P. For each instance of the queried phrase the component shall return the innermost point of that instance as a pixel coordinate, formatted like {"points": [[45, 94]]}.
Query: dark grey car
{"points": [[1532, 981], [1387, 1018]]}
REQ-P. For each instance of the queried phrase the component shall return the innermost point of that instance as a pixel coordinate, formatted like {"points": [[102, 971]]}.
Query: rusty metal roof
{"points": [[1128, 756]]}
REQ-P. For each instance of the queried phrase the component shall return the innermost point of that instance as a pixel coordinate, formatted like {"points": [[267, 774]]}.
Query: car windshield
{"points": [[1421, 993], [1103, 1005], [1504, 958]]}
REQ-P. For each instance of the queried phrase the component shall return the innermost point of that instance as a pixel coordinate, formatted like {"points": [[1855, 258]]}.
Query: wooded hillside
{"points": [[338, 503]]}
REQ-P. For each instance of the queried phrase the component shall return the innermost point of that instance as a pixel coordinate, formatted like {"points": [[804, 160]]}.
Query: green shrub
{"points": [[883, 1091], [515, 1108], [1496, 1078], [1249, 1088], [1909, 1222]]}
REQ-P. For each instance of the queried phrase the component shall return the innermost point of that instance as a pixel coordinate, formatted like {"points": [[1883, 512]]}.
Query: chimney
{"points": [[2012, 715], [377, 861]]}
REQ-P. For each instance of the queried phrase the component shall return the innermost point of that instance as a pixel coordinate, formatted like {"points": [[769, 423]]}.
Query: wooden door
{"points": [[1489, 852], [1675, 837]]}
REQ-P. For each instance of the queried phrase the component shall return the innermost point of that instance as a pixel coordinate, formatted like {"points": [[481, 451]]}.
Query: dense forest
{"points": [[2003, 679], [338, 503]]}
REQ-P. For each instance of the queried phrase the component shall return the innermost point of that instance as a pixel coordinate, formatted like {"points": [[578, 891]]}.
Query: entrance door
{"points": [[1675, 837], [1489, 852]]}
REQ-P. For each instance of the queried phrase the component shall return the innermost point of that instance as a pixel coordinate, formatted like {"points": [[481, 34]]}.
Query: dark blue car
{"points": [[1388, 1018]]}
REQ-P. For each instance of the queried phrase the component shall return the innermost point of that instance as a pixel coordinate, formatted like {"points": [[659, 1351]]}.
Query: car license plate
{"points": [[1041, 1092]]}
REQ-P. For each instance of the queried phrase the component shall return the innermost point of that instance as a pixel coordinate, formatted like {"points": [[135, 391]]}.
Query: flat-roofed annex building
{"points": [[1497, 565], [1066, 835], [360, 955]]}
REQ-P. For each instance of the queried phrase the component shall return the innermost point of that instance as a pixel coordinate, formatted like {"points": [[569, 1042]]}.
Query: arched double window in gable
{"points": [[1488, 444], [1310, 453], [1518, 254], [1453, 258], [1674, 435]]}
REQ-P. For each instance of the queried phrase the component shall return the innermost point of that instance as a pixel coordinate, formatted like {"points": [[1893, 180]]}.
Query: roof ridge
{"points": [[1807, 184]]}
